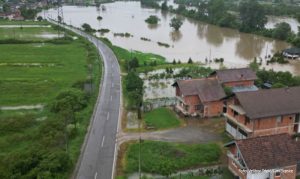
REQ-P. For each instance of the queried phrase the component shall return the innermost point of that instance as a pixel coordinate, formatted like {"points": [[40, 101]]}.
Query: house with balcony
{"points": [[272, 157], [263, 112], [199, 97], [238, 79]]}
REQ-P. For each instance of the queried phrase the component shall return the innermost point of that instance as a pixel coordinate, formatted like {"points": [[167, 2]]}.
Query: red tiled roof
{"points": [[270, 102], [233, 75], [269, 152], [208, 89]]}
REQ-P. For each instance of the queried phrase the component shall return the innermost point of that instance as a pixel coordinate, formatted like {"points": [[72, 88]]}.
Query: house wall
{"points": [[269, 126], [289, 175], [192, 101], [178, 92], [239, 83], [232, 166], [213, 109]]}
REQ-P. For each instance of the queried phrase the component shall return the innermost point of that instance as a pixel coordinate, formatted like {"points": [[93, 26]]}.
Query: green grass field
{"points": [[29, 71], [161, 118], [166, 158], [35, 73], [27, 33], [27, 22]]}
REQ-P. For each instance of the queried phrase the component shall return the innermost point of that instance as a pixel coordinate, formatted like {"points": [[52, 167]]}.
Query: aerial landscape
{"points": [[150, 89]]}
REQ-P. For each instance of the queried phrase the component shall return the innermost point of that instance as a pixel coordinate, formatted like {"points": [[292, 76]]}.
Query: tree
{"points": [[99, 18], [252, 15], [133, 63], [6, 8], [176, 23], [39, 18], [190, 60], [174, 62], [28, 13], [216, 10], [282, 31], [152, 19], [164, 6], [87, 28], [134, 87]]}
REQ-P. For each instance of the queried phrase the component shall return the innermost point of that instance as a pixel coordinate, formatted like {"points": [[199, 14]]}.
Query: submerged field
{"points": [[35, 140]]}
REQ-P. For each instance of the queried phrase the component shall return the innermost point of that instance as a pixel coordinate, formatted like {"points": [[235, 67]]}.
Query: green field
{"points": [[27, 22], [29, 71], [166, 158], [40, 143], [27, 33], [161, 118]]}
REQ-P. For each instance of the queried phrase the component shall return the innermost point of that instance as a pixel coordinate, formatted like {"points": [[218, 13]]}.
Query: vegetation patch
{"points": [[163, 44], [166, 158], [161, 118], [152, 19], [126, 34]]}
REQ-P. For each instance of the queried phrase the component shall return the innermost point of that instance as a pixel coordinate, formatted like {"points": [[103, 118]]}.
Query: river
{"points": [[195, 39]]}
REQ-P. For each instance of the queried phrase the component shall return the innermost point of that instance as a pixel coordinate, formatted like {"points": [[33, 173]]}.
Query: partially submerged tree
{"points": [[176, 23]]}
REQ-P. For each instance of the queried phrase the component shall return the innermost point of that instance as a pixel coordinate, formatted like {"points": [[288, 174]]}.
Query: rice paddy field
{"points": [[32, 74]]}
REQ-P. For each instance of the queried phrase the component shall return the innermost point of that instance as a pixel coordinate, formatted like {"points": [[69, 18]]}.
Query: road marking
{"points": [[107, 116], [112, 85], [110, 98], [95, 177], [102, 141]]}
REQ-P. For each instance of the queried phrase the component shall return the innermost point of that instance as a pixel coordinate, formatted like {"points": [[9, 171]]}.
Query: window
{"points": [[279, 119], [247, 121], [235, 113], [277, 174]]}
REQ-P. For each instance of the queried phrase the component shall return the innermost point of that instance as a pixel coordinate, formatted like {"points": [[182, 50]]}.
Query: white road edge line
{"points": [[110, 98], [95, 177], [107, 116], [102, 141]]}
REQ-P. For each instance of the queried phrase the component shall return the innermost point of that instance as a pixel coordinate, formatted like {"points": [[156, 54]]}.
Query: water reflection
{"points": [[249, 46], [175, 36]]}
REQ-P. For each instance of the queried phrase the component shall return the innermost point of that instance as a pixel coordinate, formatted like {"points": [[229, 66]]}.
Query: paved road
{"points": [[99, 155]]}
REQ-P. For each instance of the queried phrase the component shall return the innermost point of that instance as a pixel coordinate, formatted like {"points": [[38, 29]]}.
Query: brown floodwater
{"points": [[195, 39]]}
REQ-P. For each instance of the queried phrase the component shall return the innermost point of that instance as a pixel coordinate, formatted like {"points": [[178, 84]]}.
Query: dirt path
{"points": [[27, 107], [194, 132]]}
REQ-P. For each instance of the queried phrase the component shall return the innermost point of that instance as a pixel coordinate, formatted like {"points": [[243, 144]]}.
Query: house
{"points": [[293, 53], [263, 112], [272, 157], [201, 97], [239, 79]]}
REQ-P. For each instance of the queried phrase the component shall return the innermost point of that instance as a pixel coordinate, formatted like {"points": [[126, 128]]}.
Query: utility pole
{"points": [[60, 16]]}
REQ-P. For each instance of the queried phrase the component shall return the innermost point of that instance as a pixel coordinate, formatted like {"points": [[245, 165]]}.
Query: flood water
{"points": [[195, 39]]}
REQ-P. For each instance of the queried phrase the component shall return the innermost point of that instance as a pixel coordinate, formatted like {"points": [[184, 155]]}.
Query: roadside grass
{"points": [[162, 157], [27, 33], [145, 69], [124, 55], [161, 118], [27, 22]]}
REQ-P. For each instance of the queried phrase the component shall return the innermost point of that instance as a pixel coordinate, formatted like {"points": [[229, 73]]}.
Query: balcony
{"points": [[237, 162], [241, 126]]}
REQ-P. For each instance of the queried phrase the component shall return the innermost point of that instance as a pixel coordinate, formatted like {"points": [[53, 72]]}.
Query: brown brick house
{"points": [[201, 97], [238, 77], [263, 112], [272, 157]]}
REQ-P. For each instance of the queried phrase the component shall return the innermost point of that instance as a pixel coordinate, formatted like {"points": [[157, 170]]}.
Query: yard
{"points": [[166, 158], [161, 118]]}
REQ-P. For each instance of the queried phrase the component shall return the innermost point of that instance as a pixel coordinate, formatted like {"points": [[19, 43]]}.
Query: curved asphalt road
{"points": [[98, 157]]}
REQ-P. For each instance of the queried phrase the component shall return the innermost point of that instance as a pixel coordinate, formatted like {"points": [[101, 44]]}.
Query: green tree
{"points": [[164, 6], [252, 15], [190, 61], [6, 8], [282, 31], [134, 87], [176, 23], [216, 10], [39, 18], [87, 28], [99, 18], [152, 19]]}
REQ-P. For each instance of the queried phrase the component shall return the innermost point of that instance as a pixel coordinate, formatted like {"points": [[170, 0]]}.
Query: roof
{"points": [[233, 75], [208, 89], [274, 151], [244, 88], [270, 102], [292, 51]]}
